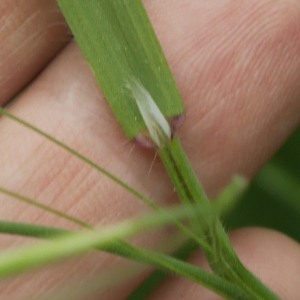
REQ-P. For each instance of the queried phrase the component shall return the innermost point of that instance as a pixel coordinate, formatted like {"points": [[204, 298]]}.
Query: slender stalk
{"points": [[121, 248], [182, 227], [45, 207], [81, 157], [189, 190], [12, 262], [221, 257]]}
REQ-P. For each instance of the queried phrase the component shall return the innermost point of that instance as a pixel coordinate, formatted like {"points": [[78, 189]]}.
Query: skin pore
{"points": [[237, 66]]}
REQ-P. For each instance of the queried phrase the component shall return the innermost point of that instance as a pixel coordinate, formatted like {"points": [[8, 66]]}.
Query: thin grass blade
{"points": [[119, 43]]}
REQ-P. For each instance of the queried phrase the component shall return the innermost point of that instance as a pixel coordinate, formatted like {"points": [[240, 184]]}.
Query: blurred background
{"points": [[273, 198]]}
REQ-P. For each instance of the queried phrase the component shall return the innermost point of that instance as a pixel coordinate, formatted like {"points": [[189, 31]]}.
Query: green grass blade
{"points": [[30, 230], [225, 202], [81, 157], [44, 207], [118, 41], [13, 262], [10, 262], [4, 112], [18, 229], [221, 257]]}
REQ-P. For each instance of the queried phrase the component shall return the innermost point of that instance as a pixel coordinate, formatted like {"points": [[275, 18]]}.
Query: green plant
{"points": [[132, 84]]}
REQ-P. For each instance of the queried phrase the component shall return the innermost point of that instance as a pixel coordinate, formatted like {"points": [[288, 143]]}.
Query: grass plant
{"points": [[119, 43]]}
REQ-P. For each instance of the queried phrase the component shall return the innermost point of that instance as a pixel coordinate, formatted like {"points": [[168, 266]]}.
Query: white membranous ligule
{"points": [[157, 125]]}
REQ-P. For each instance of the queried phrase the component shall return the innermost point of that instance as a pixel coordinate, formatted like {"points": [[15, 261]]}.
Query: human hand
{"points": [[237, 68]]}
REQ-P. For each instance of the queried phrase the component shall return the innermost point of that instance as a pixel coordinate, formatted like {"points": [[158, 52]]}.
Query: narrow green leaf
{"points": [[118, 41], [228, 198], [44, 207], [30, 230], [221, 255], [40, 255], [81, 157], [185, 229], [28, 257]]}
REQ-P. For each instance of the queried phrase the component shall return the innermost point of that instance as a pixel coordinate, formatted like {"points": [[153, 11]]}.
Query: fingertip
{"points": [[271, 256]]}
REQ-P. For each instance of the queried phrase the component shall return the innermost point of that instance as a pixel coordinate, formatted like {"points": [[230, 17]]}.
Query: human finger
{"points": [[66, 102], [31, 32]]}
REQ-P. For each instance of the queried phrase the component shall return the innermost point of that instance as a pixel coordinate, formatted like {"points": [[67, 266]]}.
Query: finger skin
{"points": [[271, 256], [32, 32], [229, 68], [237, 67]]}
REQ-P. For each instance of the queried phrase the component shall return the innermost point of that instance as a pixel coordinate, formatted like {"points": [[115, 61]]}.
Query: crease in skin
{"points": [[27, 41], [17, 28], [257, 76], [31, 36], [9, 14]]}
